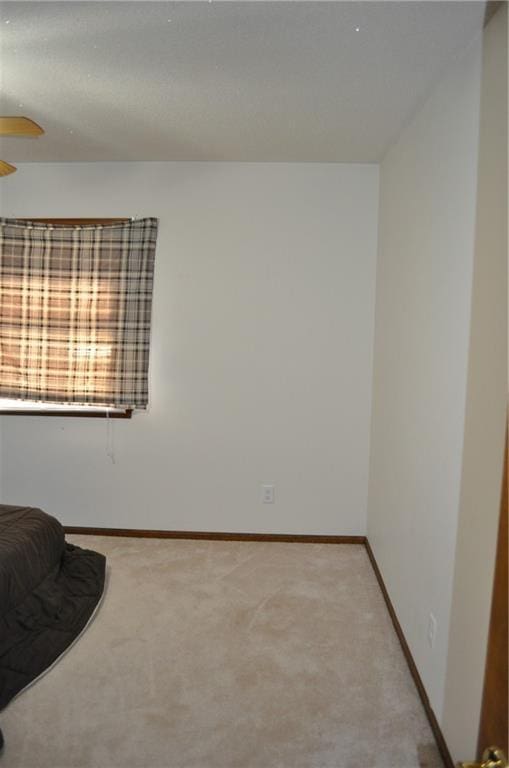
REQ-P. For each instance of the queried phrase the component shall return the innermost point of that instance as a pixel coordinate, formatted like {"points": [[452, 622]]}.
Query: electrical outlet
{"points": [[267, 494], [432, 630]]}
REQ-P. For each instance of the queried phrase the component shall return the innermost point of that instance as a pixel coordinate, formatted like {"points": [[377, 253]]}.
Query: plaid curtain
{"points": [[75, 306]]}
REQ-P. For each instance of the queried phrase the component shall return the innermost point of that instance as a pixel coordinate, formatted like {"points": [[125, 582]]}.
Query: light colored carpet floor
{"points": [[227, 655]]}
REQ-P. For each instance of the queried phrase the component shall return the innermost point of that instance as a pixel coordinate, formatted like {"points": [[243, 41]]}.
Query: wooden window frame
{"points": [[82, 411]]}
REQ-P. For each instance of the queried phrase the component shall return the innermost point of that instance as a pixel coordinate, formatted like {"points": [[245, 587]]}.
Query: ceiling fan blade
{"points": [[19, 126], [6, 168]]}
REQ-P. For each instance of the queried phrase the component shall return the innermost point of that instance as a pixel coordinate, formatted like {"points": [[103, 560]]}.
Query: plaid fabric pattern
{"points": [[75, 307]]}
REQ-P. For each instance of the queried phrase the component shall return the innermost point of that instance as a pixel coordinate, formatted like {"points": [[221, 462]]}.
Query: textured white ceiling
{"points": [[258, 81]]}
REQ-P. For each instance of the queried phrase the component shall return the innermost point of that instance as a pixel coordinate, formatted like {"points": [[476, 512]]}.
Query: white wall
{"points": [[485, 412], [261, 357], [424, 284]]}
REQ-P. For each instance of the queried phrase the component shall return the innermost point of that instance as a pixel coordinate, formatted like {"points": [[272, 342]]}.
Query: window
{"points": [[9, 407], [75, 306]]}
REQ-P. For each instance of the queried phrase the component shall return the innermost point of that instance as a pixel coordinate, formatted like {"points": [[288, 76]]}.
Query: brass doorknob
{"points": [[493, 757]]}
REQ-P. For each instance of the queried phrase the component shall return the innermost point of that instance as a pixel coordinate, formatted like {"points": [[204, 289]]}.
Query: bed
{"points": [[49, 589]]}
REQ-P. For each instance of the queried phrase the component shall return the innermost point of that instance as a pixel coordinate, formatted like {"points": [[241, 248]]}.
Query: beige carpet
{"points": [[227, 655]]}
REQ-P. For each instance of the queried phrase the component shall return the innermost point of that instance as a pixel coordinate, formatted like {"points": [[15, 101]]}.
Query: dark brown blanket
{"points": [[48, 591]]}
